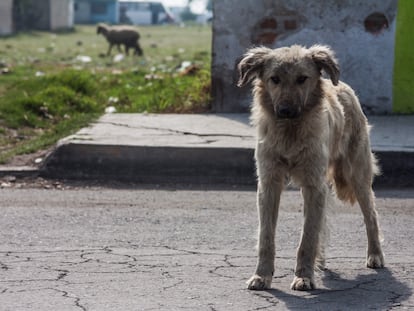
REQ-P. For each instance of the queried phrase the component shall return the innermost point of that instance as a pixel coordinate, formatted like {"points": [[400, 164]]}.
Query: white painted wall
{"points": [[366, 59]]}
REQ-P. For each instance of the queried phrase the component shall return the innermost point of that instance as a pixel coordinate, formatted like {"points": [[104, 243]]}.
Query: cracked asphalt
{"points": [[94, 248]]}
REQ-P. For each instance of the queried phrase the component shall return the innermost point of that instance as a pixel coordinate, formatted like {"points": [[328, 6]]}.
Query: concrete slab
{"points": [[157, 149], [168, 130], [208, 148]]}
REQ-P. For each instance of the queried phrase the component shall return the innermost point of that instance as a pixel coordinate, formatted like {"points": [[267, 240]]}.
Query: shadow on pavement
{"points": [[379, 290]]}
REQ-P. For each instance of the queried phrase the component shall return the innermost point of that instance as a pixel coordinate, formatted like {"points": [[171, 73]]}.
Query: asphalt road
{"points": [[159, 249]]}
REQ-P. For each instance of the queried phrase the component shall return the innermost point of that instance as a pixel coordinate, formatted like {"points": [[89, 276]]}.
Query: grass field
{"points": [[52, 84]]}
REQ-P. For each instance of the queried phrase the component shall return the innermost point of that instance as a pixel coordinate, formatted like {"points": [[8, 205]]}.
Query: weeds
{"points": [[48, 94]]}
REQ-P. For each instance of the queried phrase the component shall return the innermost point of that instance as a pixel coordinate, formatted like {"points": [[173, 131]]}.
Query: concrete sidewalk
{"points": [[209, 148]]}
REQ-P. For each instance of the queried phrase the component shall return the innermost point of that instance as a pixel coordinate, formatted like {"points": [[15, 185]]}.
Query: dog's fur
{"points": [[312, 130]]}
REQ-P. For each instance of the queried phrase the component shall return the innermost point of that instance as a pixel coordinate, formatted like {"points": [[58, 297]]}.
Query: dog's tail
{"points": [[340, 176], [345, 178]]}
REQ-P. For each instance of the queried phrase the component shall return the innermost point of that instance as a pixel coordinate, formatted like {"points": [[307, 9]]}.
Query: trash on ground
{"points": [[83, 58]]}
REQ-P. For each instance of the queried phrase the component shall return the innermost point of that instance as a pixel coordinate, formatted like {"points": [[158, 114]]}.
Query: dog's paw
{"points": [[375, 261], [257, 282], [302, 284]]}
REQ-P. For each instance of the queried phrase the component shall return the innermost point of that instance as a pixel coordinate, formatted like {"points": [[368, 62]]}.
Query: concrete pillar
{"points": [[361, 32], [6, 17], [61, 14]]}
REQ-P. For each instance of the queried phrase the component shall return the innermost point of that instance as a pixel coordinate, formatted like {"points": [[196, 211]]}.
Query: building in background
{"points": [[21, 15], [139, 12], [96, 11]]}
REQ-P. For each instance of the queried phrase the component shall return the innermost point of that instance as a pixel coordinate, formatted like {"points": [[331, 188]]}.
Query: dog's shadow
{"points": [[379, 290]]}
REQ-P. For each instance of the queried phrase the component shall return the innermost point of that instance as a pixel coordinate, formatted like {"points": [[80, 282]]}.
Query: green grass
{"points": [[403, 83], [47, 93]]}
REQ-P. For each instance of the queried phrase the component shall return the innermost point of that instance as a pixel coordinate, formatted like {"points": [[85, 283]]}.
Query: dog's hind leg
{"points": [[361, 184], [365, 197], [268, 199], [314, 211]]}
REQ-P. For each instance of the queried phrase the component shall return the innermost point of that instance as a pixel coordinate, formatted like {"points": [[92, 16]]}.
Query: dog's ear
{"points": [[251, 65], [324, 58]]}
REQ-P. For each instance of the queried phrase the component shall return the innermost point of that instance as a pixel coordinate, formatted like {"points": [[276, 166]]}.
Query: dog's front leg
{"points": [[314, 209], [268, 198]]}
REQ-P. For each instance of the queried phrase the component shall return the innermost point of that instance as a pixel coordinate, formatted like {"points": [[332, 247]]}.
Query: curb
{"points": [[19, 171], [397, 169], [196, 149], [202, 165], [198, 165]]}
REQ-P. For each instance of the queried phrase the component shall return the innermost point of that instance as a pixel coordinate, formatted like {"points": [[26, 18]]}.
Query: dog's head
{"points": [[289, 75]]}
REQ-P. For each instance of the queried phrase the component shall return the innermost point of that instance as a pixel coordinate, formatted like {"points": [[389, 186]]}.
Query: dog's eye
{"points": [[301, 79], [275, 79]]}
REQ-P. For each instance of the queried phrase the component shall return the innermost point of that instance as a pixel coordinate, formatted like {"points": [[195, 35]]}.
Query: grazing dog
{"points": [[312, 130]]}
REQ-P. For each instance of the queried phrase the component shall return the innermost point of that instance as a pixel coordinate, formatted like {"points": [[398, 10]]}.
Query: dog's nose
{"points": [[286, 110]]}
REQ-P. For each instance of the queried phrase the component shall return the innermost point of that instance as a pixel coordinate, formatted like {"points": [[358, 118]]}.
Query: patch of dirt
{"points": [[35, 159], [10, 181], [13, 174]]}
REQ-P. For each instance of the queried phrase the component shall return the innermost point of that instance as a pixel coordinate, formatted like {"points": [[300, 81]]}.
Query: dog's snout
{"points": [[286, 110]]}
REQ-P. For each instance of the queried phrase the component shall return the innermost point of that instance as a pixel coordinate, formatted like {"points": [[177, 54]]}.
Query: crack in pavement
{"points": [[273, 301], [169, 276], [3, 266], [396, 300], [75, 299], [228, 264], [64, 271], [177, 131]]}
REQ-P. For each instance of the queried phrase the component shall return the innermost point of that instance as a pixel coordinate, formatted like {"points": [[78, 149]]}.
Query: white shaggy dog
{"points": [[312, 130]]}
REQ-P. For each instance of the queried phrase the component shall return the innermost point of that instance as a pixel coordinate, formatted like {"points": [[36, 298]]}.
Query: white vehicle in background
{"points": [[205, 17], [138, 12]]}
